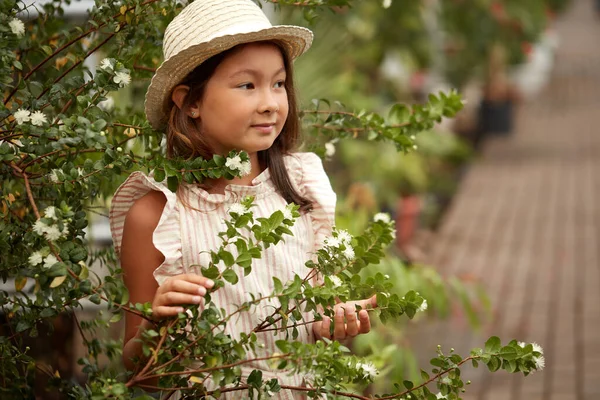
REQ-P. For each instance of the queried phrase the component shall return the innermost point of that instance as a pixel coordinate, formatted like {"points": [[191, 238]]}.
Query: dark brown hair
{"points": [[184, 140]]}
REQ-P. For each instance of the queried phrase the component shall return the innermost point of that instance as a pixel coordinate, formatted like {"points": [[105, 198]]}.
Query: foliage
{"points": [[474, 28], [63, 148]]}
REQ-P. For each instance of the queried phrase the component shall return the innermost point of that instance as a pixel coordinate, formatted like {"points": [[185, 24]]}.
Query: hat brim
{"points": [[295, 40]]}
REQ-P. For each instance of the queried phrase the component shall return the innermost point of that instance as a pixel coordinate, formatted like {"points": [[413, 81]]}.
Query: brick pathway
{"points": [[526, 223]]}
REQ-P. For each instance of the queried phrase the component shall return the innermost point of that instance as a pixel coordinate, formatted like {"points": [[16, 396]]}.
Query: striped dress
{"points": [[184, 234]]}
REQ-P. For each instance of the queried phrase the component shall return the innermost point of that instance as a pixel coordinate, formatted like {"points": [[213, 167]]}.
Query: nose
{"points": [[268, 102]]}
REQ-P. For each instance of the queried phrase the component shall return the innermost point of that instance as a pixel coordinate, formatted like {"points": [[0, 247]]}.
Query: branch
{"points": [[203, 370]]}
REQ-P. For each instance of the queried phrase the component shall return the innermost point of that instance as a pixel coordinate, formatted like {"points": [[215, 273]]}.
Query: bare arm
{"points": [[139, 259]]}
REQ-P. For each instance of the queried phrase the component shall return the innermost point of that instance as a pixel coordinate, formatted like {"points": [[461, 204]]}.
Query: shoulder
{"points": [[146, 211], [304, 167]]}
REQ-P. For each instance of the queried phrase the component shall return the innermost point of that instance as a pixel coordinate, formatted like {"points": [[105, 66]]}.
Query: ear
{"points": [[178, 96]]}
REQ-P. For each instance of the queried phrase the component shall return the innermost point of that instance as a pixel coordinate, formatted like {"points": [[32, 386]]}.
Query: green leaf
{"points": [[230, 276], [159, 175], [219, 160], [408, 384], [172, 183], [227, 257], [493, 345], [255, 378], [494, 364], [278, 286]]}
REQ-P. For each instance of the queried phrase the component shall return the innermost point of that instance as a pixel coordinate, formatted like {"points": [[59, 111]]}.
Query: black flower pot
{"points": [[496, 117]]}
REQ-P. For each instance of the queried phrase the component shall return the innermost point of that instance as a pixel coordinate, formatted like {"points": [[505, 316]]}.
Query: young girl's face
{"points": [[245, 102]]}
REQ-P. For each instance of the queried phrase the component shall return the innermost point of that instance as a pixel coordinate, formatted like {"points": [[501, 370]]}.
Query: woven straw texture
{"points": [[205, 28]]}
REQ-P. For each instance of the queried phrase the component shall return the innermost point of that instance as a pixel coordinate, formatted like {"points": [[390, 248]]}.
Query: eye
{"points": [[246, 86], [280, 84]]}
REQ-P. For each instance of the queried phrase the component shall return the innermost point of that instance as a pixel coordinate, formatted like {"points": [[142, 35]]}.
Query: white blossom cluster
{"points": [[367, 370], [17, 27], [50, 232], [287, 212], [122, 77], [236, 163], [238, 208], [42, 257], [540, 361], [36, 118], [329, 149], [382, 217], [423, 306], [53, 175], [386, 219], [340, 238]]}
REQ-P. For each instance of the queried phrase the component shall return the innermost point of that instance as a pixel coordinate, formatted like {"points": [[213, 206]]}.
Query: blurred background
{"points": [[497, 210]]}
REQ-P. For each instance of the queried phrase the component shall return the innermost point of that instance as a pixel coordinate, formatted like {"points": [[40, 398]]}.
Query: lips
{"points": [[265, 128], [267, 125]]}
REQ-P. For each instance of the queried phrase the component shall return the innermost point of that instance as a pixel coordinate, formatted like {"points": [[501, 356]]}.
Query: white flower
{"points": [[38, 118], [344, 236], [540, 363], [245, 168], [538, 348], [106, 64], [332, 242], [39, 227], [122, 78], [17, 27], [53, 233], [440, 396], [367, 369], [423, 306], [22, 116], [50, 212], [522, 344], [65, 231], [238, 209], [80, 171], [329, 149], [387, 3], [382, 217], [287, 213], [234, 162], [349, 253], [50, 261], [54, 176], [36, 258], [335, 281], [415, 147]]}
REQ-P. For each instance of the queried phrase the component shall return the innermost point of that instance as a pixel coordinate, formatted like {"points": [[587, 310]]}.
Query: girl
{"points": [[226, 83]]}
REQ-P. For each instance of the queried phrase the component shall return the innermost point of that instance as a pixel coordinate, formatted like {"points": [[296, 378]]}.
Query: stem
{"points": [[203, 370], [430, 380]]}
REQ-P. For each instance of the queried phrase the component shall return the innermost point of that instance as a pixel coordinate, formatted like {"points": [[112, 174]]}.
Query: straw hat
{"points": [[205, 28]]}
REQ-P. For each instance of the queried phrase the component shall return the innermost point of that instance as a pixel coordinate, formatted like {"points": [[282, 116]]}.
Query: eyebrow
{"points": [[254, 72]]}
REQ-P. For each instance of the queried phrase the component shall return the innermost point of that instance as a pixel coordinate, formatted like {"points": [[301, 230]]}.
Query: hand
{"points": [[353, 326], [177, 290]]}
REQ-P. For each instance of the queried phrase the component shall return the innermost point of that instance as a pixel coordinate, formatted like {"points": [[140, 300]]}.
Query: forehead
{"points": [[262, 57]]}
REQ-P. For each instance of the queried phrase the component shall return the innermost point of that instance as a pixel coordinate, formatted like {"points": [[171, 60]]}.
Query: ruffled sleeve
{"points": [[167, 235], [314, 184]]}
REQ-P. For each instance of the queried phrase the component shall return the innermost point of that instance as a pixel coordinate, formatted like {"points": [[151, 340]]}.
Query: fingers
{"points": [[179, 290], [161, 312], [339, 328], [325, 327], [189, 283], [185, 286], [352, 328], [365, 321]]}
